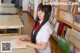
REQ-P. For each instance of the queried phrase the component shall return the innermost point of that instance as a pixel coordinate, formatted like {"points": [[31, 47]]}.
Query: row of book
{"points": [[74, 49], [31, 9], [59, 27], [70, 18], [54, 10], [67, 5], [71, 35], [64, 5], [77, 20], [58, 30], [67, 16], [52, 22]]}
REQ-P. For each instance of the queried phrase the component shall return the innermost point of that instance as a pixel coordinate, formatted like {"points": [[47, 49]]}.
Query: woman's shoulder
{"points": [[47, 25]]}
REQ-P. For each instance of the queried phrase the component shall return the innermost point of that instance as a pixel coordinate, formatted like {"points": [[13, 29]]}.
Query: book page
{"points": [[15, 45]]}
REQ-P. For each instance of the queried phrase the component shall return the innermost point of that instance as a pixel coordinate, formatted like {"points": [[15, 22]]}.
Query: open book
{"points": [[14, 45]]}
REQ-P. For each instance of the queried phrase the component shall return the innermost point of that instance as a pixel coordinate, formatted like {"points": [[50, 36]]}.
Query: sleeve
{"points": [[45, 35]]}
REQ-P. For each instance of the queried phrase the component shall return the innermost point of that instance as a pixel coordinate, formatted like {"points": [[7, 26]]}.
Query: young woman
{"points": [[41, 31]]}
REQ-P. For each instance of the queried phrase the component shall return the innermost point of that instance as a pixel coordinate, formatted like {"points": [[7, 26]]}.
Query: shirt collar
{"points": [[41, 21]]}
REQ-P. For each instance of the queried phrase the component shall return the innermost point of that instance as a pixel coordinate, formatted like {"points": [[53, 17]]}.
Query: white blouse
{"points": [[43, 36]]}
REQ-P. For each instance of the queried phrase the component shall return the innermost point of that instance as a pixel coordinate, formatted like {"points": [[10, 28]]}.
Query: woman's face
{"points": [[41, 14]]}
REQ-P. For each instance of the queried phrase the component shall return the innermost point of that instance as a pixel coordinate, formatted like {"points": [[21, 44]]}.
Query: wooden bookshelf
{"points": [[64, 20], [31, 9]]}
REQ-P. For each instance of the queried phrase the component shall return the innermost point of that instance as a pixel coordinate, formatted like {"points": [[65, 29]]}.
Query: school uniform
{"points": [[43, 36]]}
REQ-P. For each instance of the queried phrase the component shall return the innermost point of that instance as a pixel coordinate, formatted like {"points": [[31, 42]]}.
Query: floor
{"points": [[28, 25]]}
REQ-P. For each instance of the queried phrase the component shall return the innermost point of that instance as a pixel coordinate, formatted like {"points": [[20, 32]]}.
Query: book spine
{"points": [[61, 26]]}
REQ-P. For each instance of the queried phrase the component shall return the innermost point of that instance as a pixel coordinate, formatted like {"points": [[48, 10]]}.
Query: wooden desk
{"points": [[7, 5], [7, 10], [10, 22], [25, 50]]}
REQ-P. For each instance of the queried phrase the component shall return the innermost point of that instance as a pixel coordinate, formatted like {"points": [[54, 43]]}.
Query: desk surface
{"points": [[7, 10], [6, 5], [25, 50], [10, 21]]}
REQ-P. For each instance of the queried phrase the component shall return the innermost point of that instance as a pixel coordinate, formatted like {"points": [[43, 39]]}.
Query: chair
{"points": [[63, 45]]}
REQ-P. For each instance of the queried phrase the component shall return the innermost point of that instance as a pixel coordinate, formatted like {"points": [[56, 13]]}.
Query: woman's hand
{"points": [[40, 46], [24, 39], [21, 42]]}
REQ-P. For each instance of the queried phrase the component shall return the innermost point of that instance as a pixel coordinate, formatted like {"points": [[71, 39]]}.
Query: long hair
{"points": [[47, 9]]}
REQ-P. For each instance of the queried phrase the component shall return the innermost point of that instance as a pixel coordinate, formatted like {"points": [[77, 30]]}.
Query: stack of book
{"points": [[58, 30], [67, 16], [67, 34], [75, 38], [64, 5], [54, 11], [77, 20]]}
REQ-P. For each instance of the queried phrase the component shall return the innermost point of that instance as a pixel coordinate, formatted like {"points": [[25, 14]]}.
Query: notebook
{"points": [[14, 45]]}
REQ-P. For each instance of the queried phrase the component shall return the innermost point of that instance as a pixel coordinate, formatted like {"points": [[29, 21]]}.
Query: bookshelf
{"points": [[67, 14], [31, 8]]}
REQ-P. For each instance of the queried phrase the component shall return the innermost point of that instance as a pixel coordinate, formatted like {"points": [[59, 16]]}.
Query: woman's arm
{"points": [[40, 46]]}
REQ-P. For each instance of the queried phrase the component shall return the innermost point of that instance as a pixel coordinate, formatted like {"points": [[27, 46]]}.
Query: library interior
{"points": [[58, 30]]}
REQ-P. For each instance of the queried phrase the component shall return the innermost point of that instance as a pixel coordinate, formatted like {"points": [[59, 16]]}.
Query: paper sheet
{"points": [[15, 45]]}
